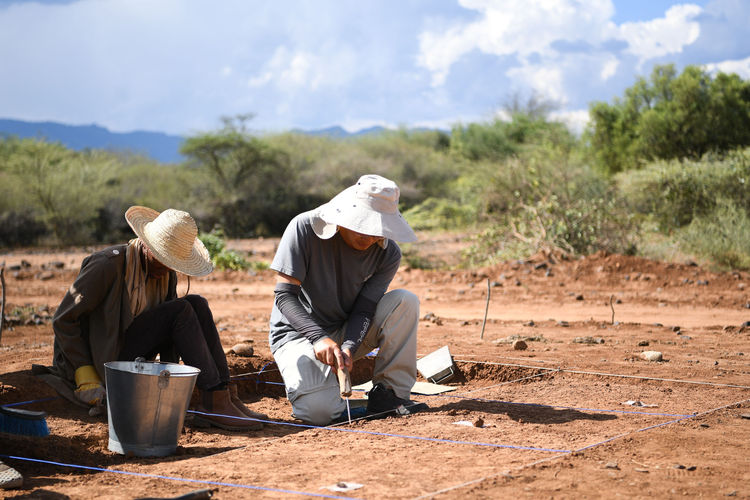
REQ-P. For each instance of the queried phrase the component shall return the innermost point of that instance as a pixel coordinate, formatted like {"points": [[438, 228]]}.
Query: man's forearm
{"points": [[287, 300], [358, 324]]}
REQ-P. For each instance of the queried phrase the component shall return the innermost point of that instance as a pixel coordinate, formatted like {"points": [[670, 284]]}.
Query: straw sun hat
{"points": [[368, 207], [172, 236]]}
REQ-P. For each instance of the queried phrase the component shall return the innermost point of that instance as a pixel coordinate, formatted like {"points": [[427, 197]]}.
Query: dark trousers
{"points": [[185, 326]]}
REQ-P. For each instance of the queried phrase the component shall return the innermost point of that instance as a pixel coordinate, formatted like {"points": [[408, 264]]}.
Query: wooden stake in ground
{"points": [[2, 298], [486, 308], [612, 307]]}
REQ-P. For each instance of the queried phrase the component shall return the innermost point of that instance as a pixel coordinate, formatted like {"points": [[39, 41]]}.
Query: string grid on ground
{"points": [[172, 478], [590, 446], [544, 372]]}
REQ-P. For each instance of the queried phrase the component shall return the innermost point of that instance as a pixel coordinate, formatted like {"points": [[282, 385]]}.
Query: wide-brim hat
{"points": [[368, 207], [172, 236]]}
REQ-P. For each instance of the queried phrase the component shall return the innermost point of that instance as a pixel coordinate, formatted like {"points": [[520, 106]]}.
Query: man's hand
{"points": [[348, 360], [328, 352]]}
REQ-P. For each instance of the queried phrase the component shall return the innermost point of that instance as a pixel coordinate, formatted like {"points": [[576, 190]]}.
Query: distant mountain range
{"points": [[157, 145]]}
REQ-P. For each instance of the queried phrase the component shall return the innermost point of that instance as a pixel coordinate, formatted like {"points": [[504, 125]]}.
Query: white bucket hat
{"points": [[172, 236], [368, 207]]}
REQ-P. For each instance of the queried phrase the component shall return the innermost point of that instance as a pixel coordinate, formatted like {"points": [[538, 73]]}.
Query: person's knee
{"points": [[198, 302], [314, 409], [408, 302]]}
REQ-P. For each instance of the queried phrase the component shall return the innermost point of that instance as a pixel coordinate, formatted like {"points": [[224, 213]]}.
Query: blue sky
{"points": [[177, 66]]}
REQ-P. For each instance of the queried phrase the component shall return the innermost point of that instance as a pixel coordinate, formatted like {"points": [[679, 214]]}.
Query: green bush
{"points": [[222, 258], [721, 235], [546, 199], [19, 229], [674, 193], [437, 214]]}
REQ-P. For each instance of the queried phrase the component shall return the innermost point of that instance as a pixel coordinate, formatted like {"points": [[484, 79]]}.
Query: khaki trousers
{"points": [[312, 387]]}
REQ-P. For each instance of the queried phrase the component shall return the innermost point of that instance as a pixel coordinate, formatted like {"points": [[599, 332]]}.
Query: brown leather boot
{"points": [[237, 402], [223, 413]]}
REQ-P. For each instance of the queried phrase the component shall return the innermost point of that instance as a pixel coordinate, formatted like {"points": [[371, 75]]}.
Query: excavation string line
{"points": [[471, 399], [384, 434], [530, 404], [358, 431], [604, 374], [566, 407], [555, 457], [172, 478]]}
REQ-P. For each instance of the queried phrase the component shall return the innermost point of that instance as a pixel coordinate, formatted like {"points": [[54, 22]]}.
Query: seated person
{"points": [[124, 305]]}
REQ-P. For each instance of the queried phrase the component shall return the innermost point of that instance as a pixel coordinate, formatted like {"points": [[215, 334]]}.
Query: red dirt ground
{"points": [[554, 422]]}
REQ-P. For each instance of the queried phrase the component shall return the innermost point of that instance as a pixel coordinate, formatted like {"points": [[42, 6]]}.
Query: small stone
{"points": [[643, 343], [529, 323], [478, 422], [579, 297], [612, 465], [564, 324], [243, 349], [679, 466], [675, 328], [705, 426], [692, 468], [588, 340], [641, 470], [745, 415], [520, 345], [746, 324], [495, 284], [651, 355]]}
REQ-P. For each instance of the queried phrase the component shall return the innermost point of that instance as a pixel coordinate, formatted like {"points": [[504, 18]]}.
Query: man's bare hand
{"points": [[328, 352]]}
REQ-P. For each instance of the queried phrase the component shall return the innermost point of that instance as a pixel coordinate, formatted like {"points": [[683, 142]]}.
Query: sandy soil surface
{"points": [[547, 421]]}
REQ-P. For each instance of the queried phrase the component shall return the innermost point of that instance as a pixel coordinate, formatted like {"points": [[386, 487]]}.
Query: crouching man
{"points": [[335, 264]]}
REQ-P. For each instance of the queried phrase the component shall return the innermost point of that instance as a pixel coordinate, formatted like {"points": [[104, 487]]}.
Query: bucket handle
{"points": [[139, 363]]}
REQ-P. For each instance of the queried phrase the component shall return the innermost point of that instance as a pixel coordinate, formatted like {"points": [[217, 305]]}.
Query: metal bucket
{"points": [[146, 405]]}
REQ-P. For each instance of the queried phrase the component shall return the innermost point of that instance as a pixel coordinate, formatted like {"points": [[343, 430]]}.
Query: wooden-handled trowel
{"points": [[345, 387]]}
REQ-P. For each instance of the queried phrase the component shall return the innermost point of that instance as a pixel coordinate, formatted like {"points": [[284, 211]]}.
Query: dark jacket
{"points": [[94, 314]]}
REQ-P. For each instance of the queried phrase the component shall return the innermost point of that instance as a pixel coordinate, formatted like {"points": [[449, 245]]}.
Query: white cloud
{"points": [[663, 36], [576, 120], [741, 67], [303, 69], [543, 79], [515, 28], [609, 68]]}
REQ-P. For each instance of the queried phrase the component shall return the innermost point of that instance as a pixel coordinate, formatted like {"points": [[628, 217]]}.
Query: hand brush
{"points": [[23, 422]]}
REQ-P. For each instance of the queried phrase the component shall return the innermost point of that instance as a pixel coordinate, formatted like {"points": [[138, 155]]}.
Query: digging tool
{"points": [[345, 387]]}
